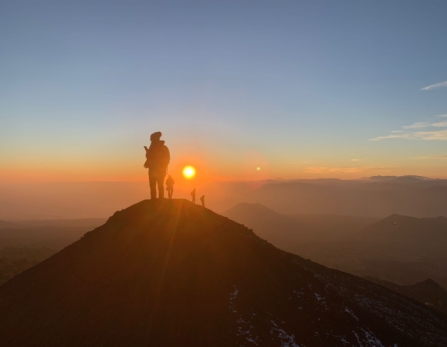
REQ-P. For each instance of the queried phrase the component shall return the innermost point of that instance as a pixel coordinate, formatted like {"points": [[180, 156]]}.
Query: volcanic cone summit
{"points": [[171, 273]]}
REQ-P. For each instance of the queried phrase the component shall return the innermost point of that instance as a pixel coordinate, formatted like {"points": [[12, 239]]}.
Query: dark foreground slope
{"points": [[169, 273]]}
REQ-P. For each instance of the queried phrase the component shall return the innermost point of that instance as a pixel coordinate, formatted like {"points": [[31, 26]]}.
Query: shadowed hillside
{"points": [[285, 231], [170, 273], [400, 249], [428, 292], [282, 231], [335, 227], [421, 235]]}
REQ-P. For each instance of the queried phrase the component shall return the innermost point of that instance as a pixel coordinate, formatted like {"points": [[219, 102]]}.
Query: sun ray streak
{"points": [[159, 287]]}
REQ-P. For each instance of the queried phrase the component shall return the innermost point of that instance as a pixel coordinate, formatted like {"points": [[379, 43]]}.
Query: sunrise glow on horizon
{"points": [[290, 92], [189, 172]]}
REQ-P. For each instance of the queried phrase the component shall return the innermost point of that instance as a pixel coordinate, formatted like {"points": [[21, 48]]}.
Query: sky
{"points": [[298, 89]]}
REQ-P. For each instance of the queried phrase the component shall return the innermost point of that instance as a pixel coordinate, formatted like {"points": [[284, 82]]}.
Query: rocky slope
{"points": [[170, 273]]}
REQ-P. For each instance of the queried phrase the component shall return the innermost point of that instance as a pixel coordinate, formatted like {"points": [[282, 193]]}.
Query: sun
{"points": [[189, 172]]}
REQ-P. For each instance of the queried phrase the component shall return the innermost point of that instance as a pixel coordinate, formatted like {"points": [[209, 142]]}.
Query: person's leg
{"points": [[161, 190], [172, 192], [152, 185]]}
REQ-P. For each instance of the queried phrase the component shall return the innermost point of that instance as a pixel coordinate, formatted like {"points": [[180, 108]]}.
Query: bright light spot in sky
{"points": [[258, 168], [189, 172]]}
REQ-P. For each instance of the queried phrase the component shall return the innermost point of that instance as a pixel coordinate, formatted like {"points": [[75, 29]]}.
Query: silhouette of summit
{"points": [[171, 273]]}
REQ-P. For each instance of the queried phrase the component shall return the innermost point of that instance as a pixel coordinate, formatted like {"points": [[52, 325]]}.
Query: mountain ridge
{"points": [[171, 273]]}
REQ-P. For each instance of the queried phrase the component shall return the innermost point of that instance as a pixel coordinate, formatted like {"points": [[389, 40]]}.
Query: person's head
{"points": [[156, 136]]}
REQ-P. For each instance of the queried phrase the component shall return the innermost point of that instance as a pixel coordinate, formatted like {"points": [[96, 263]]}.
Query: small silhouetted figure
{"points": [[202, 200], [157, 161], [170, 186], [193, 196]]}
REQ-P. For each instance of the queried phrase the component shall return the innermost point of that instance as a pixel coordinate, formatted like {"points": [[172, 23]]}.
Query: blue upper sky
{"points": [[325, 88]]}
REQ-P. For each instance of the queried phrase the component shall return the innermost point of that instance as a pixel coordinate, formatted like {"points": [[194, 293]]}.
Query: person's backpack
{"points": [[165, 156], [158, 155]]}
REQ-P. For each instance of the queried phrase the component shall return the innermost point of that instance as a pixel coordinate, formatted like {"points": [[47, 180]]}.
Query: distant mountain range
{"points": [[412, 197], [400, 249], [170, 273], [404, 179]]}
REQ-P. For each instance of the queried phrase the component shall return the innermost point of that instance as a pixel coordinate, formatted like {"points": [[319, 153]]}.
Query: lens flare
{"points": [[189, 172]]}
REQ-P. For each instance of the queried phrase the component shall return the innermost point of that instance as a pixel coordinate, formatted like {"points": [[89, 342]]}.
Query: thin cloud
{"points": [[432, 135], [407, 136], [324, 169], [327, 170], [429, 135], [417, 125], [434, 157], [440, 135], [440, 124], [435, 86], [355, 159]]}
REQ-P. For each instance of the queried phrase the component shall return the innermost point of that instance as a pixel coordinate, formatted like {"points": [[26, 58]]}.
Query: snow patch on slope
{"points": [[245, 329], [286, 339]]}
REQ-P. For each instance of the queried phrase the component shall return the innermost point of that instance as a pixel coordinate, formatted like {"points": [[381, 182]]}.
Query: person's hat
{"points": [[156, 136]]}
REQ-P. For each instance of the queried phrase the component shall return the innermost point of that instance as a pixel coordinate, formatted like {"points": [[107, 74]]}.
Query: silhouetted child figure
{"points": [[202, 200], [170, 186], [193, 195]]}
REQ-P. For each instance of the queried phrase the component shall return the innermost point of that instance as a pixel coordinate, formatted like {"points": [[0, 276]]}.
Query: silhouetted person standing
{"points": [[170, 186], [193, 196], [202, 200], [157, 161]]}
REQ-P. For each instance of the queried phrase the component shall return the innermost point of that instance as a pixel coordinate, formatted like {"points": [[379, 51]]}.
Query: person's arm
{"points": [[145, 163]]}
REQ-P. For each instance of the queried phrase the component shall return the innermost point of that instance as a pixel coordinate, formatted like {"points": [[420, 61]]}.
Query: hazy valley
{"points": [[26, 243]]}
